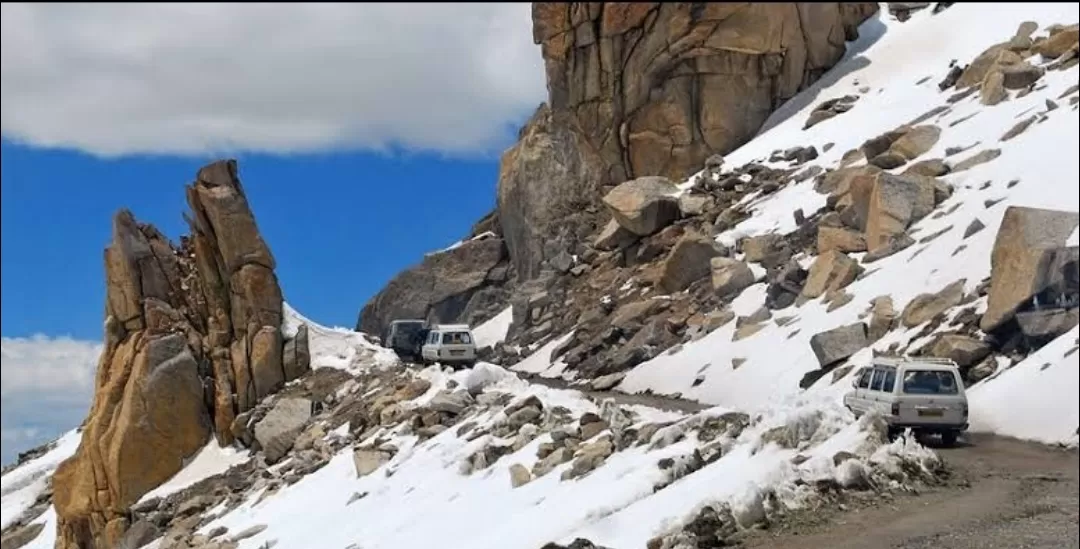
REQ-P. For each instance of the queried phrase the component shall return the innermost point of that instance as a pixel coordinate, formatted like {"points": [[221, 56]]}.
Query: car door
{"points": [[430, 350], [859, 403], [872, 398]]}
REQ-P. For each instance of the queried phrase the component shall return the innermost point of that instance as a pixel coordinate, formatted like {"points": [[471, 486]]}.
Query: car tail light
{"points": [[964, 409], [896, 408]]}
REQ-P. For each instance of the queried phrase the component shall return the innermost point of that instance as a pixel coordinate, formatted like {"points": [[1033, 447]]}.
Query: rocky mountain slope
{"points": [[634, 89], [919, 198]]}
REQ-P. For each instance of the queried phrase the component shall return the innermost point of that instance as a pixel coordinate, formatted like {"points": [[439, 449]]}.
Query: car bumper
{"points": [[930, 426]]}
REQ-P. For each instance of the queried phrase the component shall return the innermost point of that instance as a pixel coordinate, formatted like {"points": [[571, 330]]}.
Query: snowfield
{"points": [[767, 442]]}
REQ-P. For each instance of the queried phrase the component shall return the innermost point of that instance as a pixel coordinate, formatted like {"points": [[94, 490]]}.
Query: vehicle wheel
{"points": [[948, 438]]}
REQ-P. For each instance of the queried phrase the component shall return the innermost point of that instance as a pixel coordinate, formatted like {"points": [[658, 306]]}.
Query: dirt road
{"points": [[1002, 494]]}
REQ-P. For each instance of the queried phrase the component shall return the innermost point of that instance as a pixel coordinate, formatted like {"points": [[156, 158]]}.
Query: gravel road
{"points": [[1002, 494]]}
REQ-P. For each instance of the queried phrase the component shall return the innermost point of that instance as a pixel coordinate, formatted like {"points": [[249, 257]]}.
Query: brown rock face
{"points": [[446, 287], [193, 337], [658, 87]]}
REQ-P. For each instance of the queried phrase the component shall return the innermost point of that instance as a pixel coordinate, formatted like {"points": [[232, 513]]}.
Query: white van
{"points": [[923, 394], [450, 344]]}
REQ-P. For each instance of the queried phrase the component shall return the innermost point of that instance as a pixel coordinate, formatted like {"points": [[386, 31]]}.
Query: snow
{"points": [[456, 245], [540, 363], [1042, 159], [335, 347], [494, 330], [421, 499], [1035, 399], [211, 460], [20, 487]]}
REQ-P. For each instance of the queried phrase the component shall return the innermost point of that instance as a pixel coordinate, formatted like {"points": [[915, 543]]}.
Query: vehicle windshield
{"points": [[456, 338], [930, 382]]}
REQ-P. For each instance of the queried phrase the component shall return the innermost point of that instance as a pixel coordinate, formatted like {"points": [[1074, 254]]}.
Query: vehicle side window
{"points": [[879, 377], [864, 379], [433, 338], [890, 380]]}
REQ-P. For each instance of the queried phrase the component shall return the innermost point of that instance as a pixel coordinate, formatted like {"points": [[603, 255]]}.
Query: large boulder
{"points": [[1029, 242], [965, 351], [730, 276], [645, 205], [278, 429], [445, 287], [192, 339], [547, 182], [687, 263], [658, 87], [832, 346]]}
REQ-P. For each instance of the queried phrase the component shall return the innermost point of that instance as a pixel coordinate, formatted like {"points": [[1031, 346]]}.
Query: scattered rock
{"points": [[831, 270], [925, 307], [687, 263], [519, 475], [1019, 128], [277, 431], [981, 157], [975, 226], [965, 351], [839, 239], [367, 461], [730, 276]]}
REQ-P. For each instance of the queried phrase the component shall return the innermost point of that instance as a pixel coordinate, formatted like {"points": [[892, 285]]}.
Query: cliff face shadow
{"points": [[869, 33]]}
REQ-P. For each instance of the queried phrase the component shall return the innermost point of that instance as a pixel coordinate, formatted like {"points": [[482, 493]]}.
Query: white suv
{"points": [[925, 395], [450, 344]]}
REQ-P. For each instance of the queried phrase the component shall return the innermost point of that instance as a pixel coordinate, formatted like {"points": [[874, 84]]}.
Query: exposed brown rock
{"points": [[192, 339], [687, 263], [831, 270], [1025, 251], [925, 307], [839, 239], [547, 182], [658, 87], [446, 287], [645, 205]]}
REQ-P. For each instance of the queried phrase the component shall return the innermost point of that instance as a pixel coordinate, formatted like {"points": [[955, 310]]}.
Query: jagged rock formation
{"points": [[635, 89], [193, 338], [658, 87]]}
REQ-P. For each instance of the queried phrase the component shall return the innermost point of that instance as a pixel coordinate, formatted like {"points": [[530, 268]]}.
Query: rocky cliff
{"points": [[635, 89], [193, 338]]}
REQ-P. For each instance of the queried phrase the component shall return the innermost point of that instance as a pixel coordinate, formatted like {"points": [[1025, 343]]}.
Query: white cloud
{"points": [[45, 389], [114, 79]]}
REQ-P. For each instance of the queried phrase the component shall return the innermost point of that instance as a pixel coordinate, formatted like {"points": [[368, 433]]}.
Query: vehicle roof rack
{"points": [[896, 360]]}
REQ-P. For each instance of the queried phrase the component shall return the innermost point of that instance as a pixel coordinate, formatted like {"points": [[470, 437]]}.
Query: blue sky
{"points": [[366, 135]]}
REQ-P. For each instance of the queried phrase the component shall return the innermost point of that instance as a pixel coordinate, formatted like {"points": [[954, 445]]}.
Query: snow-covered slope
{"points": [[896, 78], [468, 478], [21, 486]]}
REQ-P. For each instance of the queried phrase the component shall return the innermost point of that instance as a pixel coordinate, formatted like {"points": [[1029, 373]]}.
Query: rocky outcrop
{"points": [[549, 187], [659, 87], [448, 286], [192, 338]]}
